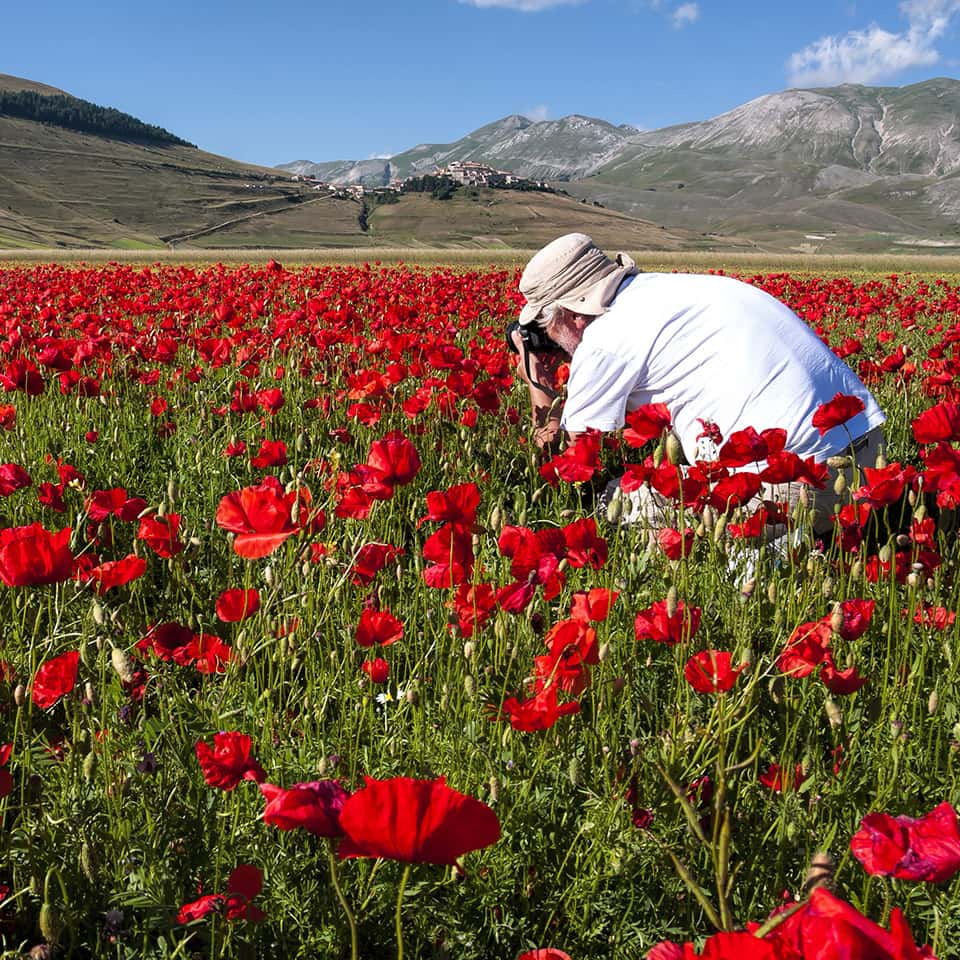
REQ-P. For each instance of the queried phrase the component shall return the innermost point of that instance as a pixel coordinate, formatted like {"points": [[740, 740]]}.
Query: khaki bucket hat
{"points": [[575, 273]]}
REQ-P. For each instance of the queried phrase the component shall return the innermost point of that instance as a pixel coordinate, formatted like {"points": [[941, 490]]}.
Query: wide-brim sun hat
{"points": [[572, 272]]}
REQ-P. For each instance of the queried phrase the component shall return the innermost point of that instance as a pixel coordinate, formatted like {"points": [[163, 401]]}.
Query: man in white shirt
{"points": [[713, 349]]}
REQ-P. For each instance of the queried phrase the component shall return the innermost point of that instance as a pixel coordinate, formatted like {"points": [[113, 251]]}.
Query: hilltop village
{"points": [[441, 181]]}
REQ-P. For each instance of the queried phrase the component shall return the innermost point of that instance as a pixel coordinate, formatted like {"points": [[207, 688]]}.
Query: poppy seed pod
{"points": [[840, 484]]}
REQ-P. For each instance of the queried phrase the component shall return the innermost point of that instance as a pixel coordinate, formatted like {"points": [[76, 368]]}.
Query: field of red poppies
{"points": [[305, 653]]}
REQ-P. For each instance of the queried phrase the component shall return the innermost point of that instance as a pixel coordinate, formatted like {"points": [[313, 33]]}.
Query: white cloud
{"points": [[686, 13], [538, 113], [874, 54], [526, 6]]}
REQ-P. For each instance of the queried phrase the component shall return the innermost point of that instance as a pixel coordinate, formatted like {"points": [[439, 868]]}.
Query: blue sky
{"points": [[269, 84]]}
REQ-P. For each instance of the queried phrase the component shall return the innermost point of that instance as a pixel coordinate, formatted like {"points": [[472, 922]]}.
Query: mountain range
{"points": [[830, 169]]}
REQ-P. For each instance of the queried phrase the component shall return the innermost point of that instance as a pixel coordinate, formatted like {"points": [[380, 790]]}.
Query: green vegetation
{"points": [[77, 114]]}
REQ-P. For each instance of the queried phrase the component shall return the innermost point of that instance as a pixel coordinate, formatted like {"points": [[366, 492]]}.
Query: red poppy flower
{"points": [[114, 502], [778, 779], [806, 648], [885, 485], [840, 409], [12, 478], [315, 807], [544, 953], [584, 548], [168, 641], [394, 459], [457, 505], [655, 623], [370, 560], [272, 453], [449, 555], [840, 683], [646, 423], [228, 761], [54, 679], [923, 848], [852, 618], [675, 544], [927, 615], [377, 670], [734, 491], [260, 516], [31, 556], [414, 821], [160, 534], [748, 446], [592, 605], [244, 883], [711, 671], [826, 926], [208, 653], [378, 627], [117, 573], [539, 712], [474, 605], [938, 423], [735, 945], [236, 604], [578, 463], [8, 416]]}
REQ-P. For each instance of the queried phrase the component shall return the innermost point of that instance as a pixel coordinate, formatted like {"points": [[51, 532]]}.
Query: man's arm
{"points": [[547, 410]]}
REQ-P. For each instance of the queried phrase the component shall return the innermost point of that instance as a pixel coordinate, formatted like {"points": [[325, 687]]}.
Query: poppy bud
{"points": [[496, 518], [89, 767], [840, 485], [772, 591], [856, 571], [522, 517], [173, 490], [881, 460], [803, 498], [671, 601], [573, 771], [603, 652], [615, 507], [746, 591], [913, 580], [122, 664], [833, 712], [920, 513], [301, 442], [51, 923], [19, 694], [90, 693], [933, 703], [97, 611], [468, 649], [836, 619], [719, 529], [88, 862], [826, 588], [412, 696], [673, 448], [494, 789], [469, 686], [709, 519], [268, 577]]}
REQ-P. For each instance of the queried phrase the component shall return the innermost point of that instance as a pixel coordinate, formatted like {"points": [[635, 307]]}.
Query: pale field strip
{"points": [[931, 265]]}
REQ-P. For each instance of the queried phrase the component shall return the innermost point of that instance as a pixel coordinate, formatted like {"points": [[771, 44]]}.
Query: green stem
{"points": [[403, 886], [351, 920]]}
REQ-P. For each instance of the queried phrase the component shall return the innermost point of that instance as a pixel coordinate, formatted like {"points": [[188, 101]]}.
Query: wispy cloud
{"points": [[526, 6], [873, 54], [538, 113], [685, 13]]}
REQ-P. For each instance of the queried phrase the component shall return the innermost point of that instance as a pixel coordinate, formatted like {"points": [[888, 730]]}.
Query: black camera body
{"points": [[533, 337]]}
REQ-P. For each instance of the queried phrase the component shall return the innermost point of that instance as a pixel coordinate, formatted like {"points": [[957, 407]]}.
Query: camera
{"points": [[533, 337]]}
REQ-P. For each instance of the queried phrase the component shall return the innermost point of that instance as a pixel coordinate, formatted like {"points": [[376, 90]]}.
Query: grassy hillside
{"points": [[507, 218]]}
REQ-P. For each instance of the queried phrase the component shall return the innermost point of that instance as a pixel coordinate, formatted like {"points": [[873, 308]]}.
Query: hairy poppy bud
{"points": [[603, 652], [469, 686], [494, 789], [19, 694], [933, 703], [122, 664], [840, 485], [573, 771], [89, 766], [615, 507], [51, 923], [97, 612], [672, 601], [496, 518], [772, 591], [88, 862], [468, 649], [833, 712], [673, 448]]}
